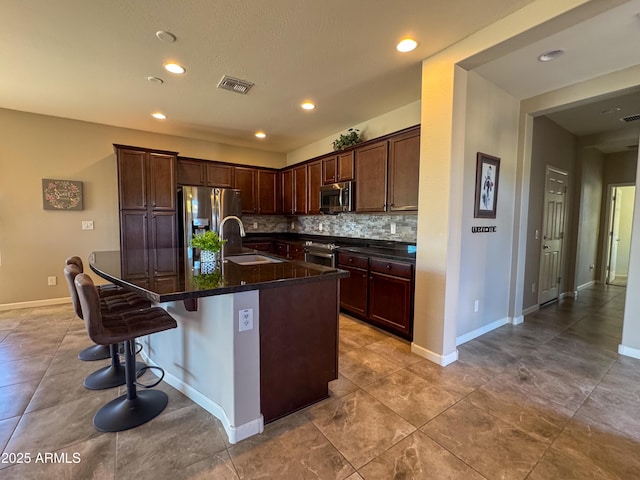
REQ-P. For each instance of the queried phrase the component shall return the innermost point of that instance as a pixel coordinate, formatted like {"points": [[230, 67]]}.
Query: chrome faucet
{"points": [[231, 217]]}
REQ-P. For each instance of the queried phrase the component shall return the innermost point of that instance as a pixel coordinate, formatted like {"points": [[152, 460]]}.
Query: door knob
{"points": [[545, 247]]}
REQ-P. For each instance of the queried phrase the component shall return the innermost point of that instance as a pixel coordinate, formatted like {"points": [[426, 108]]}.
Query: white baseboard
{"points": [[235, 433], [531, 309], [34, 303], [517, 320], [442, 360], [481, 331], [628, 351], [586, 285]]}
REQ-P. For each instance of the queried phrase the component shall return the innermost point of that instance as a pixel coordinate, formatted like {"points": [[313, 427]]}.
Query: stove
{"points": [[320, 253]]}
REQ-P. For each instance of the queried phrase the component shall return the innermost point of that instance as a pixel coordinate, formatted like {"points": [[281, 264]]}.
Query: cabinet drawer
{"points": [[355, 261], [390, 267]]}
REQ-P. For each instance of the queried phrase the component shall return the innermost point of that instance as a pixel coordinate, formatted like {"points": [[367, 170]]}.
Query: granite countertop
{"points": [[190, 283], [403, 251]]}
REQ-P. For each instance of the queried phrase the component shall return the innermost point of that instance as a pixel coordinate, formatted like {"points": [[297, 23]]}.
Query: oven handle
{"points": [[319, 254]]}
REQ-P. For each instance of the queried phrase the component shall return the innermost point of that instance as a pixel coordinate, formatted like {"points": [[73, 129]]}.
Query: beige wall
{"points": [[491, 127], [590, 169], [35, 242], [553, 146], [390, 122]]}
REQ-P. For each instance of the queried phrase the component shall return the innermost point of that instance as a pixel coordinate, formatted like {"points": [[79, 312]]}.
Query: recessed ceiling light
{"points": [[550, 55], [406, 45], [610, 110], [159, 116], [153, 79], [308, 106], [165, 36], [174, 68], [261, 134]]}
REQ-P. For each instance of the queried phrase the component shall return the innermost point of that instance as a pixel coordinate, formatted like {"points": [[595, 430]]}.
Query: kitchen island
{"points": [[257, 338]]}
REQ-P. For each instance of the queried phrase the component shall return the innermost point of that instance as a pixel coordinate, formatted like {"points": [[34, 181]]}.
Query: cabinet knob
{"points": [[350, 259], [388, 267]]}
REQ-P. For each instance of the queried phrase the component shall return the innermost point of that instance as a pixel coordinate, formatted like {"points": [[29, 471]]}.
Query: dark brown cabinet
{"points": [[267, 191], [390, 295], [203, 173], [300, 189], [353, 289], [146, 190], [371, 177], [338, 168], [314, 171], [379, 291], [245, 181], [404, 171], [287, 185]]}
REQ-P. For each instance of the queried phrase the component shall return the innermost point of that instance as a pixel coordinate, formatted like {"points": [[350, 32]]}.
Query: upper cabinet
{"points": [[300, 189], [286, 187], [404, 171], [314, 174], [371, 177], [204, 173], [267, 191], [259, 189], [337, 168], [245, 180], [148, 219]]}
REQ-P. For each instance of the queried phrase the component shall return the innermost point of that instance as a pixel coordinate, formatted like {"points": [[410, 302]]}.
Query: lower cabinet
{"points": [[379, 291]]}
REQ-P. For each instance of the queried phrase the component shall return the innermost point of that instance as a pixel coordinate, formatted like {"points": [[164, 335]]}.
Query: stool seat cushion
{"points": [[117, 327]]}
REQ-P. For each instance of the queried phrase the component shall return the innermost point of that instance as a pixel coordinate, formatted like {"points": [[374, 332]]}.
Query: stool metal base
{"points": [[94, 352], [124, 413], [110, 377]]}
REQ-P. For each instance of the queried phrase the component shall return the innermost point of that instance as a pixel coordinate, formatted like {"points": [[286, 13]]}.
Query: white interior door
{"points": [[553, 223]]}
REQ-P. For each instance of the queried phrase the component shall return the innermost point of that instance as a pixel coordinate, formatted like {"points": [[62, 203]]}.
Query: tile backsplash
{"points": [[370, 226]]}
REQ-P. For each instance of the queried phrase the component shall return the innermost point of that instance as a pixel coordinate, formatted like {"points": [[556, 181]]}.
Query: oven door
{"points": [[320, 258]]}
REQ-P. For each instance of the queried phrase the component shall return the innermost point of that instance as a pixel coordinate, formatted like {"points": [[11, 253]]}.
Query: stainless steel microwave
{"points": [[337, 198]]}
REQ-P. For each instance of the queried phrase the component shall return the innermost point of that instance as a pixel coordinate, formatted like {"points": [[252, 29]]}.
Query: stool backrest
{"points": [[70, 273], [77, 261], [90, 303]]}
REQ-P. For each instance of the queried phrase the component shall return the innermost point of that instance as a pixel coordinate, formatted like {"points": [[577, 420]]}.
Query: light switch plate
{"points": [[87, 224], [245, 319]]}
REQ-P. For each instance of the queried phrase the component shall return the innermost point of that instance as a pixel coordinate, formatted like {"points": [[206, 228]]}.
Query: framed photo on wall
{"points": [[487, 175]]}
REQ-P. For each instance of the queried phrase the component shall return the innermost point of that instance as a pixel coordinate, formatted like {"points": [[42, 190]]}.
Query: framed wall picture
{"points": [[487, 175], [61, 194]]}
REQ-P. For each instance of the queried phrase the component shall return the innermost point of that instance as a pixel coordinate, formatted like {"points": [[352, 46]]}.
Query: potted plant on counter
{"points": [[210, 245]]}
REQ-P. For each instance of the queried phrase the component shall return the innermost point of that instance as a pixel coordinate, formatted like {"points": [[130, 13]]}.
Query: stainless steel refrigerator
{"points": [[203, 208]]}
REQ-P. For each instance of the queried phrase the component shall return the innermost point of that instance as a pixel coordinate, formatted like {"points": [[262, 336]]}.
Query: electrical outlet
{"points": [[255, 224], [320, 227], [393, 228], [245, 319], [87, 224], [51, 281], [533, 288], [293, 225], [476, 306]]}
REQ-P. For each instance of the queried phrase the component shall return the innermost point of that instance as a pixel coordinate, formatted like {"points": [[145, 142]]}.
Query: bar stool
{"points": [[114, 375], [94, 352], [134, 408]]}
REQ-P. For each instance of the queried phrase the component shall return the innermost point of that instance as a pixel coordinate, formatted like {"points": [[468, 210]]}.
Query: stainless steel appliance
{"points": [[337, 197], [320, 253], [204, 208]]}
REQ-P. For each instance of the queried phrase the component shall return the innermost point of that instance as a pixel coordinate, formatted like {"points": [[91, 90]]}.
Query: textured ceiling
{"points": [[89, 60]]}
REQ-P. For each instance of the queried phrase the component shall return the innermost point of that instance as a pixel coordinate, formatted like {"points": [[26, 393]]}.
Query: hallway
{"points": [[548, 399]]}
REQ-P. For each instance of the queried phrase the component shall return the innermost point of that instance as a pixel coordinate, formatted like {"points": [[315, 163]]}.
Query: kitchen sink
{"points": [[252, 259]]}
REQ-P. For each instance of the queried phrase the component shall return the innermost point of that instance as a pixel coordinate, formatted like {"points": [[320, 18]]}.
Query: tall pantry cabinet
{"points": [[148, 213]]}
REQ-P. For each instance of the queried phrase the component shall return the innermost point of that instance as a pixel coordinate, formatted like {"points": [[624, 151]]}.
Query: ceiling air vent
{"points": [[235, 85], [631, 118]]}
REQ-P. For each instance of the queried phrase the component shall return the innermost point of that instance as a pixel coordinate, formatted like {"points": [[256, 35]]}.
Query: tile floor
{"points": [[548, 399]]}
